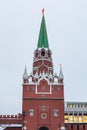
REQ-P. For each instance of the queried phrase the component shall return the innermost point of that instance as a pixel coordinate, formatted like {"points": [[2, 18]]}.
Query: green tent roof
{"points": [[43, 39]]}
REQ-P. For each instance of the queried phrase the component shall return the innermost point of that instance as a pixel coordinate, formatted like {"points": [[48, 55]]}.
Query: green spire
{"points": [[43, 39]]}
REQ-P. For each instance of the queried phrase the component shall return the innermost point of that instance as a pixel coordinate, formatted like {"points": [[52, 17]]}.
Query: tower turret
{"points": [[61, 77], [25, 76], [42, 55], [43, 95], [43, 39]]}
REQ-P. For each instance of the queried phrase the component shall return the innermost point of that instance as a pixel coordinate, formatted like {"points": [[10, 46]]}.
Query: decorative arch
{"points": [[55, 79], [43, 87], [43, 128], [43, 78], [43, 53], [30, 78]]}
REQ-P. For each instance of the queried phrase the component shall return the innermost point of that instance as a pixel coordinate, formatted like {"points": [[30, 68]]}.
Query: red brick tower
{"points": [[43, 91]]}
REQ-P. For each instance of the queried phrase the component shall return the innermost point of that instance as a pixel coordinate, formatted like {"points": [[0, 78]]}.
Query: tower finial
{"points": [[61, 73], [25, 75], [43, 11]]}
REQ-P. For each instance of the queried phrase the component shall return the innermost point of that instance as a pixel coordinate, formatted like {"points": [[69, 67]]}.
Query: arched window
{"points": [[30, 79], [55, 112], [31, 112], [43, 52], [55, 79]]}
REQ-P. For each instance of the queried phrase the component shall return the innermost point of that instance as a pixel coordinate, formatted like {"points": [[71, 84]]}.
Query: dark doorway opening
{"points": [[43, 128]]}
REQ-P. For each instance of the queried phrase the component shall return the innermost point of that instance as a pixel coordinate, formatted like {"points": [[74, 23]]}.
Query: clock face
{"points": [[43, 115]]}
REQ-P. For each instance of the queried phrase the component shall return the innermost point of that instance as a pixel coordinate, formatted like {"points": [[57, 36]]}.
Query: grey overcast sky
{"points": [[66, 22]]}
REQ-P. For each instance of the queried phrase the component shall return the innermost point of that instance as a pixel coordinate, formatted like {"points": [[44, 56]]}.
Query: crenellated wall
{"points": [[11, 119]]}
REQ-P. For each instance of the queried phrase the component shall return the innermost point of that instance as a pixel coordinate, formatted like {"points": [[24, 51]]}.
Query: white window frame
{"points": [[56, 112], [31, 112]]}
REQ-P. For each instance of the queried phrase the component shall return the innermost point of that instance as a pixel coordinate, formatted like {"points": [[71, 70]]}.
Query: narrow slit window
{"points": [[55, 112], [31, 112]]}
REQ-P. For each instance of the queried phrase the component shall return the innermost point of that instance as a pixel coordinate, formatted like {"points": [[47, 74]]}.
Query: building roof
{"points": [[43, 39], [75, 107], [75, 112], [4, 126]]}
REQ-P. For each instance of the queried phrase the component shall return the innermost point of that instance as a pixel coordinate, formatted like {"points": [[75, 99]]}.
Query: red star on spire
{"points": [[43, 11]]}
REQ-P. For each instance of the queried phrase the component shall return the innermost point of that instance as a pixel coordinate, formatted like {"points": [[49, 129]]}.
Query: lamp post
{"points": [[23, 114]]}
